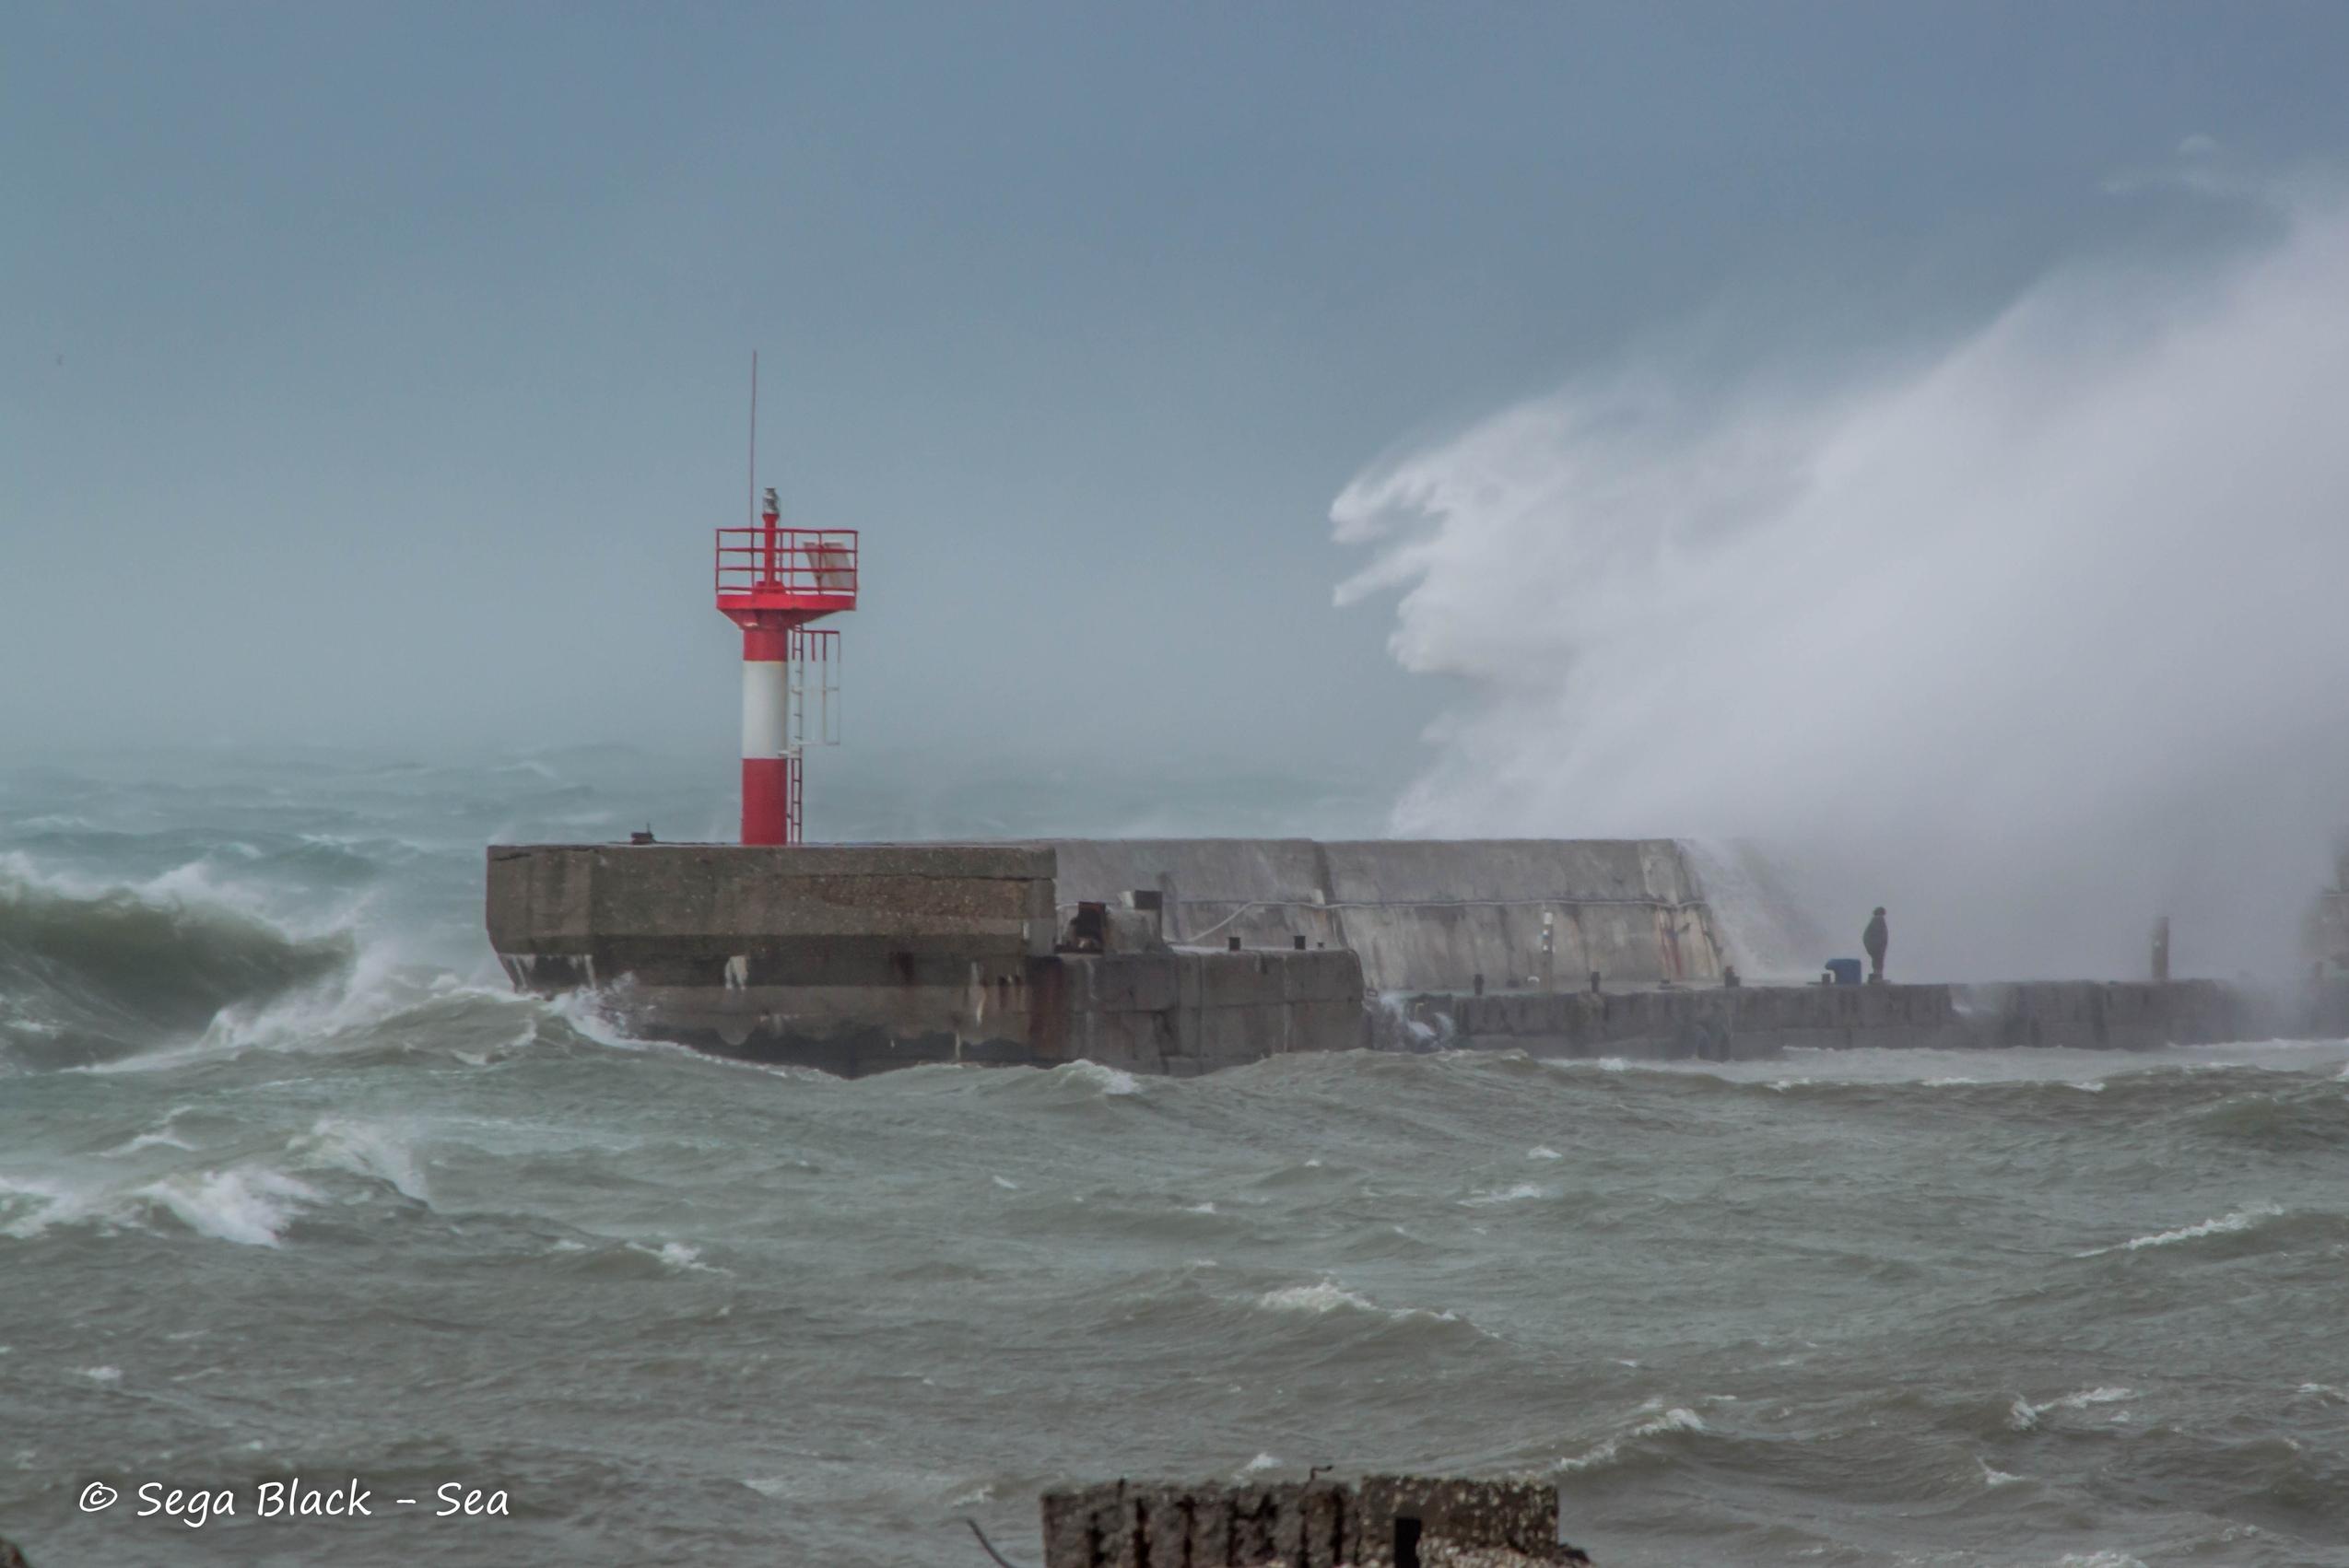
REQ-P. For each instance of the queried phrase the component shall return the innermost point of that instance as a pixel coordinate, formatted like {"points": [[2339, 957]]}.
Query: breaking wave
{"points": [[1678, 1419], [90, 973]]}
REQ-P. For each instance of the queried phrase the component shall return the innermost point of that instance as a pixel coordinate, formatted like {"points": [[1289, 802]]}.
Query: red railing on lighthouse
{"points": [[774, 576]]}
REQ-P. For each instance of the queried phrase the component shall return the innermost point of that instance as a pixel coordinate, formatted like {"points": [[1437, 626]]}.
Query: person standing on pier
{"points": [[1876, 939]]}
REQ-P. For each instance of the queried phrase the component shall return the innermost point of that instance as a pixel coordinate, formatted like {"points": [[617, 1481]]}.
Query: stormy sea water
{"points": [[291, 1185]]}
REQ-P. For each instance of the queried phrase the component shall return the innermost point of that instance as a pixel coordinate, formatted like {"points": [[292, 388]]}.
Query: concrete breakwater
{"points": [[1425, 914], [858, 958], [1180, 956], [1725, 1023]]}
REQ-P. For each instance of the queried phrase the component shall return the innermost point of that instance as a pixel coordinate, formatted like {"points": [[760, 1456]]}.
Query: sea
{"points": [[295, 1192]]}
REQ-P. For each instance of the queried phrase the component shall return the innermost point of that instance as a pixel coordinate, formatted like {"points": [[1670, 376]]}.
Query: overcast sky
{"points": [[376, 373]]}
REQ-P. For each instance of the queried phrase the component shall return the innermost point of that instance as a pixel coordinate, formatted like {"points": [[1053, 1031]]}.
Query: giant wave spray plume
{"points": [[2033, 637]]}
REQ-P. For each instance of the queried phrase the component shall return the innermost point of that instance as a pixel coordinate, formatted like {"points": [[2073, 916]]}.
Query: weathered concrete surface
{"points": [[1179, 1013], [1192, 1012], [857, 958], [909, 941], [1379, 1522], [1720, 1023], [570, 899], [1424, 914]]}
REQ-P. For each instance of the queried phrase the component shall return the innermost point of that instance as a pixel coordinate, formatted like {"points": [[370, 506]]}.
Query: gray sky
{"points": [[375, 373]]}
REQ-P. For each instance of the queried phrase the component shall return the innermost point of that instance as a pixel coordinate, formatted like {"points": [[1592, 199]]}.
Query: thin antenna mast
{"points": [[750, 491]]}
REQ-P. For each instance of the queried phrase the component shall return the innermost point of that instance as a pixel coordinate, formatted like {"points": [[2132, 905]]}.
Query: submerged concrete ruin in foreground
{"points": [[1377, 1522], [1181, 955]]}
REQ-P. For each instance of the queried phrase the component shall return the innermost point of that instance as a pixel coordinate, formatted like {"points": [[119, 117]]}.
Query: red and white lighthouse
{"points": [[772, 581]]}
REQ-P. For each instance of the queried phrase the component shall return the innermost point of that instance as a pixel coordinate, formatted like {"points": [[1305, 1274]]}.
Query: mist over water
{"points": [[2032, 635]]}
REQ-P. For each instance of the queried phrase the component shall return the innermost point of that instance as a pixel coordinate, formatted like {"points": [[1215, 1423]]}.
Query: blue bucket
{"points": [[1846, 971]]}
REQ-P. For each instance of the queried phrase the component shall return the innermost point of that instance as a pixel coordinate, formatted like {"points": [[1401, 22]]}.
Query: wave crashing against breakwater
{"points": [[2047, 605]]}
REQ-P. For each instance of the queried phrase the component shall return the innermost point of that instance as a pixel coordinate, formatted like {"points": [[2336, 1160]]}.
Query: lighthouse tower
{"points": [[772, 582]]}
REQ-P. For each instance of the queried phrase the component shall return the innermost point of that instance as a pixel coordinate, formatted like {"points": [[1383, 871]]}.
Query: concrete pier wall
{"points": [[857, 958], [887, 936], [1722, 1023], [1424, 914]]}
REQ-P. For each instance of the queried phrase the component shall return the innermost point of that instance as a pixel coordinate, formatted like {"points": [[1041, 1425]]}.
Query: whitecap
{"points": [[250, 1206], [1679, 1417], [680, 1255], [1260, 1464], [1516, 1194], [2241, 1220], [1108, 1080], [2024, 1415], [1007, 1183], [148, 1141], [1327, 1296], [103, 1374], [368, 1150], [1543, 1152]]}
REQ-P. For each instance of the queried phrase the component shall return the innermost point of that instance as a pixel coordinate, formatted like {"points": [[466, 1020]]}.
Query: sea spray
{"points": [[2031, 638]]}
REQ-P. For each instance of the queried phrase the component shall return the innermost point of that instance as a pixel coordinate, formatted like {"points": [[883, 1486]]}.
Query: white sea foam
{"points": [[162, 1136], [1007, 1183], [1996, 1478], [2121, 451], [2241, 1220], [1327, 1296], [1679, 1417], [1260, 1464], [149, 1141], [1108, 1080], [1543, 1152], [251, 1205], [680, 1255], [1517, 1194], [590, 1016], [103, 1374], [2024, 1415], [368, 1149], [43, 1201]]}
